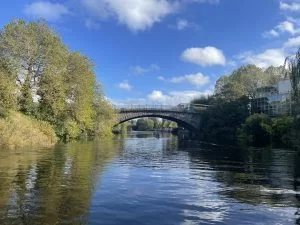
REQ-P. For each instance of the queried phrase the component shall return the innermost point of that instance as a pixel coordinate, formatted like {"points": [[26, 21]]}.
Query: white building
{"points": [[274, 100]]}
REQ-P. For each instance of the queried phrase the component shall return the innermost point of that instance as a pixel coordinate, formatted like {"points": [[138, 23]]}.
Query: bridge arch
{"points": [[188, 120], [179, 122]]}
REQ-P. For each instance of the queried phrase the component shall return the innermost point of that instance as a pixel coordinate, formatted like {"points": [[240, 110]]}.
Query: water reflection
{"points": [[52, 187], [257, 176], [145, 180]]}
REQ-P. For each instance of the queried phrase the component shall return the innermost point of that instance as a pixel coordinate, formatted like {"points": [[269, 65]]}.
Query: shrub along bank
{"points": [[21, 131]]}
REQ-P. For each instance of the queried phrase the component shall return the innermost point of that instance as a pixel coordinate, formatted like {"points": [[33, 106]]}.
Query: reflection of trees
{"points": [[10, 163], [255, 176], [58, 187]]}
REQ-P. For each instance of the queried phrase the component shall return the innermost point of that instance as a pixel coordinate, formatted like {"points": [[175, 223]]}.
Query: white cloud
{"points": [[215, 2], [125, 85], [197, 79], [161, 78], [175, 97], [271, 33], [294, 7], [207, 56], [46, 10], [283, 27], [92, 25], [158, 97], [141, 70], [270, 57], [182, 24], [286, 26], [137, 15], [292, 42]]}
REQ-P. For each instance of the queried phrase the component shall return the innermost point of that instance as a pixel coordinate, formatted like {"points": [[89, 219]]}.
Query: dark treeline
{"points": [[42, 80], [232, 119]]}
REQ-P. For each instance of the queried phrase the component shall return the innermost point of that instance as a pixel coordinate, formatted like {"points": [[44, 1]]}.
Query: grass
{"points": [[20, 131]]}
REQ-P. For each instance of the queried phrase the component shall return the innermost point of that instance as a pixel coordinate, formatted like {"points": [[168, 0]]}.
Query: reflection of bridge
{"points": [[183, 116]]}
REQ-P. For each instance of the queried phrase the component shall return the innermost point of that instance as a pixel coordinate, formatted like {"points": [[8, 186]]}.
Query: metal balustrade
{"points": [[178, 108]]}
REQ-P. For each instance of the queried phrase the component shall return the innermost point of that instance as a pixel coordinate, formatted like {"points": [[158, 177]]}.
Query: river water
{"points": [[144, 180]]}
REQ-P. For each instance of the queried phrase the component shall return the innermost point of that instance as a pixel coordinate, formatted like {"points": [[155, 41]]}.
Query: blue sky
{"points": [[167, 51]]}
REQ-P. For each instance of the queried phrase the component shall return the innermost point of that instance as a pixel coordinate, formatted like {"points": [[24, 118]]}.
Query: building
{"points": [[273, 100]]}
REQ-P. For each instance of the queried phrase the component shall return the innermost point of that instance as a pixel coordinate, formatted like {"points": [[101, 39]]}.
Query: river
{"points": [[144, 180]]}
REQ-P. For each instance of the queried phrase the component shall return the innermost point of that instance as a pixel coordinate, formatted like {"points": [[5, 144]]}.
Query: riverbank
{"points": [[20, 131]]}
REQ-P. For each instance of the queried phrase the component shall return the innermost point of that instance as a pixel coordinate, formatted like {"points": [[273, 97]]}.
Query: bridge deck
{"points": [[159, 108]]}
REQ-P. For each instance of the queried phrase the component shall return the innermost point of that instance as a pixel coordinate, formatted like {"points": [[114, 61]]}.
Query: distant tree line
{"points": [[144, 124], [230, 118], [43, 79]]}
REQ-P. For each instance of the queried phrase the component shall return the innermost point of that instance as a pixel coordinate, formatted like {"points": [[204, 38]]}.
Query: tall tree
{"points": [[245, 81], [29, 48], [80, 89], [105, 116], [294, 73], [274, 74]]}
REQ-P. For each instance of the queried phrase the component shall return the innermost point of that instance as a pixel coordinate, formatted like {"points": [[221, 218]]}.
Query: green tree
{"points": [[221, 121], [274, 74], [8, 88], [28, 49], [294, 73], [51, 83], [52, 92], [157, 122], [282, 128], [257, 130], [144, 124], [245, 81], [26, 103], [80, 90], [105, 116]]}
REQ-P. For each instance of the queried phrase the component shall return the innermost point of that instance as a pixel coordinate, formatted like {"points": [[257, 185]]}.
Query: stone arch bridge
{"points": [[182, 116]]}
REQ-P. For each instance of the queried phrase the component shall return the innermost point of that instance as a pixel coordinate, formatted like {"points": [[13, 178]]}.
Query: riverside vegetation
{"points": [[231, 119], [47, 91], [50, 93]]}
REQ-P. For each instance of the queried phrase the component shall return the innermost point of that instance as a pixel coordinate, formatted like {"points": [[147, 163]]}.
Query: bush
{"points": [[20, 131], [257, 130], [220, 122], [281, 129]]}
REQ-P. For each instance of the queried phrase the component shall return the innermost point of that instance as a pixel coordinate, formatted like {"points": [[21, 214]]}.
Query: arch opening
{"points": [[179, 122]]}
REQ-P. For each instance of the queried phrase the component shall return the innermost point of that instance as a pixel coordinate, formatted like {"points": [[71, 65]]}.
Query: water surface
{"points": [[144, 180]]}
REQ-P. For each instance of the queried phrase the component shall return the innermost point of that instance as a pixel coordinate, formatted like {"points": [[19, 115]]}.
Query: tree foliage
{"points": [[105, 115], [42, 78], [8, 88], [294, 73], [228, 116], [221, 121], [245, 81], [257, 129], [144, 124]]}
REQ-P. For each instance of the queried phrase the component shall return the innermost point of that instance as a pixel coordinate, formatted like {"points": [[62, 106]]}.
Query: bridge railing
{"points": [[149, 107], [178, 108]]}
